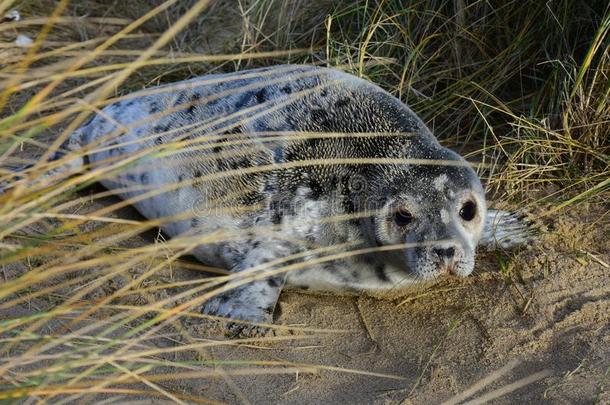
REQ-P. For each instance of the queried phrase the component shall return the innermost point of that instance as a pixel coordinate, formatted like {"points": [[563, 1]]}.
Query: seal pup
{"points": [[310, 177]]}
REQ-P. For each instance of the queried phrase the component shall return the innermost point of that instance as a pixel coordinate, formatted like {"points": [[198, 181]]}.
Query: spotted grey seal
{"points": [[309, 177]]}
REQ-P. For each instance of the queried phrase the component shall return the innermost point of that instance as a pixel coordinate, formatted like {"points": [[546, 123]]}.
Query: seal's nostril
{"points": [[445, 253]]}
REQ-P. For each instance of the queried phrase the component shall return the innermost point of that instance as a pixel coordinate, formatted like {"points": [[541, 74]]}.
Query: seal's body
{"points": [[291, 175]]}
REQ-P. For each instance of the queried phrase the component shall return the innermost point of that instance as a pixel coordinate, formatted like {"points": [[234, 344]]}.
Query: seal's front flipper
{"points": [[252, 303], [508, 230]]}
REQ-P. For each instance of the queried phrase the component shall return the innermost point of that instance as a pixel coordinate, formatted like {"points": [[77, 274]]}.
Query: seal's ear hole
{"points": [[468, 211], [403, 217]]}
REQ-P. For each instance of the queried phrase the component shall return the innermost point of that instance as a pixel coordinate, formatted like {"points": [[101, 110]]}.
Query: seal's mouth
{"points": [[447, 268]]}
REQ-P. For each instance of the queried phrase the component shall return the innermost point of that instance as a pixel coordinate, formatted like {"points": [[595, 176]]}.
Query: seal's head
{"points": [[437, 211]]}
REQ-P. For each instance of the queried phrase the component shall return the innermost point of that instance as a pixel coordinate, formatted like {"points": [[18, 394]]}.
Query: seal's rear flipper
{"points": [[508, 230], [70, 165]]}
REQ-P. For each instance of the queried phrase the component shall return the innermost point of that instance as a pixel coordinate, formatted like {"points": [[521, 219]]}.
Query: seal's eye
{"points": [[468, 211], [403, 217]]}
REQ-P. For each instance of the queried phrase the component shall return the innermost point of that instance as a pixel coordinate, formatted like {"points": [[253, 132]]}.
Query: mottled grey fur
{"points": [[206, 134]]}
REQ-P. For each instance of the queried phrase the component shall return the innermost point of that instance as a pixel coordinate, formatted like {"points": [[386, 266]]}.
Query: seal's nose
{"points": [[447, 259], [444, 254]]}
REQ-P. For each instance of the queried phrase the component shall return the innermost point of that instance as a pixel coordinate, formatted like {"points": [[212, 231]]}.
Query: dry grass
{"points": [[522, 87]]}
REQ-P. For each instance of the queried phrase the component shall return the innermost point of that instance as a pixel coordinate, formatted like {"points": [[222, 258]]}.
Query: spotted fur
{"points": [[195, 143]]}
